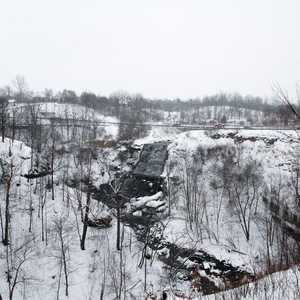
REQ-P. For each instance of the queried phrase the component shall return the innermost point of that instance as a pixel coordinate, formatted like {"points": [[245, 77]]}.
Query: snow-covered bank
{"points": [[45, 234]]}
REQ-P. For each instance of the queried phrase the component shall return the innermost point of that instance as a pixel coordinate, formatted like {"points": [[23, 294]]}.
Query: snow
{"points": [[100, 265], [155, 204], [280, 285], [138, 213], [157, 134], [75, 114], [79, 112], [142, 201]]}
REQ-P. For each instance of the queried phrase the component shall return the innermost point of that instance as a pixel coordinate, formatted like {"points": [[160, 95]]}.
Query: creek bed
{"points": [[145, 180]]}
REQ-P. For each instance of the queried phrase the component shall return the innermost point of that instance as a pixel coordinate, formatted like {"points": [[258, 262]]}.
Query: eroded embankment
{"points": [[130, 189]]}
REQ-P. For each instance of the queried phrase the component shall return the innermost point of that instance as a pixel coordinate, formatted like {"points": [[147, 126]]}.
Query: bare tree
{"points": [[48, 94], [6, 91], [86, 214], [115, 196], [3, 115], [62, 251], [8, 170], [13, 120], [193, 182], [242, 183], [292, 110], [295, 181], [21, 88], [32, 114], [16, 259], [84, 159], [51, 142], [115, 186], [219, 195], [172, 183]]}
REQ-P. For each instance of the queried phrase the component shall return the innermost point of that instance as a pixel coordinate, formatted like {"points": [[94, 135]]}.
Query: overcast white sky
{"points": [[159, 48]]}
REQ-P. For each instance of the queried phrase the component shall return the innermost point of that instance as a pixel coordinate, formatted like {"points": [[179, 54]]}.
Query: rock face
{"points": [[141, 198], [144, 181], [152, 160]]}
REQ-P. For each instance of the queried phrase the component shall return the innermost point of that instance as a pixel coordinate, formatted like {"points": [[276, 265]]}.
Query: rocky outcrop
{"points": [[142, 199], [152, 160]]}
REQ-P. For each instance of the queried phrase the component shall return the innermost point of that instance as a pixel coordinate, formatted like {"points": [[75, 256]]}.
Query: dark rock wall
{"points": [[152, 160]]}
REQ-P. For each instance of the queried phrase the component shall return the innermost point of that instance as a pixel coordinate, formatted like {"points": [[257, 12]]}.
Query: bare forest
{"points": [[123, 197]]}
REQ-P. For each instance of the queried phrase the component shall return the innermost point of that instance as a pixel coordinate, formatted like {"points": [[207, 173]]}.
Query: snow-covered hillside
{"points": [[215, 114], [218, 184]]}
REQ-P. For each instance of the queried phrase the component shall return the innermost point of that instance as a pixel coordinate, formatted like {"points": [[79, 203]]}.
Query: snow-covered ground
{"points": [[44, 254], [280, 285]]}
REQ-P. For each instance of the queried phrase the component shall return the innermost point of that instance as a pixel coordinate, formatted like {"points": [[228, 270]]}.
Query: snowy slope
{"points": [[45, 232]]}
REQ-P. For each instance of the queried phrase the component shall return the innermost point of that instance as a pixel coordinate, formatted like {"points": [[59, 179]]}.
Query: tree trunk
{"points": [[5, 240], [118, 223], [86, 217], [7, 200]]}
